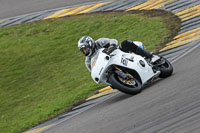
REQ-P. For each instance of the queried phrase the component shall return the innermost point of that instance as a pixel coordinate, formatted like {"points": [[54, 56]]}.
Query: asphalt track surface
{"points": [[170, 105], [12, 8]]}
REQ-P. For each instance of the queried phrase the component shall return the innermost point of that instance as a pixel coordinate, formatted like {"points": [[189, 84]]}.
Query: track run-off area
{"points": [[170, 105]]}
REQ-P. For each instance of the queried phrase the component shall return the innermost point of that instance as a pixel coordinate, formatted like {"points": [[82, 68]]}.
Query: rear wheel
{"points": [[165, 67], [131, 86]]}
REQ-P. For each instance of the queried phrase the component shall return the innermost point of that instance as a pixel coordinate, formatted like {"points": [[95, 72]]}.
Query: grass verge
{"points": [[42, 73]]}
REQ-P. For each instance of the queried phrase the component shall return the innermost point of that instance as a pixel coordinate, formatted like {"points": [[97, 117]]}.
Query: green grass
{"points": [[42, 73]]}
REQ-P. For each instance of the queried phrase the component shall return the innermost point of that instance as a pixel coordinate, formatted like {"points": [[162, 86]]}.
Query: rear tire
{"points": [[117, 84], [166, 69]]}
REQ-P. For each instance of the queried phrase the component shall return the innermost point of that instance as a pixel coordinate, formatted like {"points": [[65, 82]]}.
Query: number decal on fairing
{"points": [[124, 61]]}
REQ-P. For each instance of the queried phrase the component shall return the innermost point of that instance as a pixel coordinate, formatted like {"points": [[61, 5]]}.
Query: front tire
{"points": [[128, 89]]}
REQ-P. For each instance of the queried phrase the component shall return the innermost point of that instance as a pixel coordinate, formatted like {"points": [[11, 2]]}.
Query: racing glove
{"points": [[111, 48]]}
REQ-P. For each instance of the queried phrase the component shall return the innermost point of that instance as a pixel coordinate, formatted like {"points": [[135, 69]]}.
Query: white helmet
{"points": [[86, 45]]}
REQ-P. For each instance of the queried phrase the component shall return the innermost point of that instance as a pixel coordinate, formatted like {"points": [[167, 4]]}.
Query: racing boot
{"points": [[154, 58]]}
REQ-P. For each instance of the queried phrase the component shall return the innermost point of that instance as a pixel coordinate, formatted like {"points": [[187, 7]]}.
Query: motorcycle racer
{"points": [[89, 47]]}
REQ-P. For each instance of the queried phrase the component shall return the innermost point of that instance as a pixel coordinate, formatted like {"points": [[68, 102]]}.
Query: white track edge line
{"points": [[186, 53]]}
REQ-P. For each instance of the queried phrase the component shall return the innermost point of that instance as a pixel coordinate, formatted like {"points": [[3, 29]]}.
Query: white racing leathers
{"points": [[100, 43]]}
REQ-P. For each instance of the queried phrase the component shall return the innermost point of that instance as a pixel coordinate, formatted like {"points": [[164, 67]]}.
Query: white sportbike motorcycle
{"points": [[127, 72]]}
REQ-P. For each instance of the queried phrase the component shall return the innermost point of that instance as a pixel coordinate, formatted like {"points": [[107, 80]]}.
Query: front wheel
{"points": [[131, 86]]}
